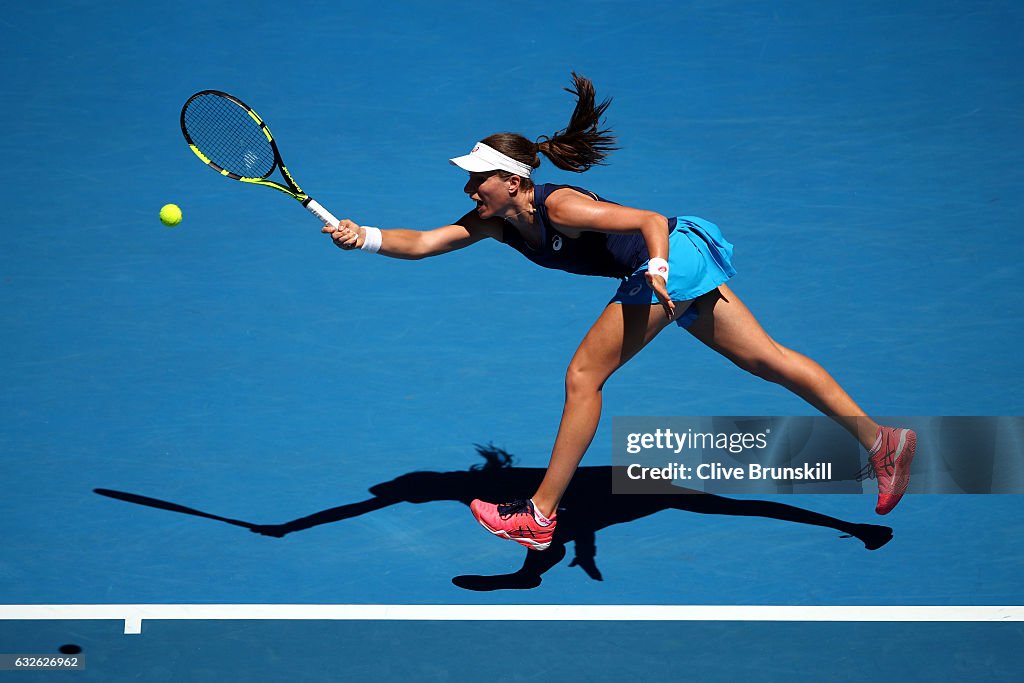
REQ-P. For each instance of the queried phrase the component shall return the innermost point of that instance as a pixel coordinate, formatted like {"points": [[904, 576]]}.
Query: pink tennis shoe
{"points": [[515, 521], [889, 462]]}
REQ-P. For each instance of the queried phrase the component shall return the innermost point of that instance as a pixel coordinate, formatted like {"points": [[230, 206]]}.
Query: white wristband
{"points": [[658, 266], [372, 239]]}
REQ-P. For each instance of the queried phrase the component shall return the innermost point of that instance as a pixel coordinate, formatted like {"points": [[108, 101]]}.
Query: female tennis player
{"points": [[671, 270]]}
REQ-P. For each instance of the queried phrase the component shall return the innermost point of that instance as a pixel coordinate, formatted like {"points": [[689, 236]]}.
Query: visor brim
{"points": [[472, 164]]}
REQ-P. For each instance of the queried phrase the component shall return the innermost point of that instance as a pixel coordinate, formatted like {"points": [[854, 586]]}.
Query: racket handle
{"points": [[320, 212]]}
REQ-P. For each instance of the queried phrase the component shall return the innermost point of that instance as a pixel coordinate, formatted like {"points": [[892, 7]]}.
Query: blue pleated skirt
{"points": [[699, 260]]}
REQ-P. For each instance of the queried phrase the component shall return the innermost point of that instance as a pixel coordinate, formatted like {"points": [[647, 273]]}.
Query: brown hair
{"points": [[575, 148]]}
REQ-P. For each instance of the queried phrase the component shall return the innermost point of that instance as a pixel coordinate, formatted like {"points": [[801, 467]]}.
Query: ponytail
{"points": [[582, 143], [579, 146]]}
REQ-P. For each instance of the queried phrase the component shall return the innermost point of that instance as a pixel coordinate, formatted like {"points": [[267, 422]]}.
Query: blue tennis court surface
{"points": [[234, 412]]}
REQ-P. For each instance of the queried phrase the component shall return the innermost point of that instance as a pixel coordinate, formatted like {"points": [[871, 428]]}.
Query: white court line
{"points": [[134, 615]]}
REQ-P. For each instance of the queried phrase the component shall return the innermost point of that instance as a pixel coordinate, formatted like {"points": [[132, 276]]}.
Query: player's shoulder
{"points": [[554, 196], [567, 205]]}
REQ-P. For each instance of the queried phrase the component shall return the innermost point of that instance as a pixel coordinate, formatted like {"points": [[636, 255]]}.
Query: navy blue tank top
{"points": [[592, 253]]}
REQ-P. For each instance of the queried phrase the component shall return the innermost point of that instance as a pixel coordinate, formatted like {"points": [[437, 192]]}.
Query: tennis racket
{"points": [[233, 140]]}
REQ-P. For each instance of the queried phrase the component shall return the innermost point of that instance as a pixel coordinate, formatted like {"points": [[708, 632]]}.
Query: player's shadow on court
{"points": [[588, 507]]}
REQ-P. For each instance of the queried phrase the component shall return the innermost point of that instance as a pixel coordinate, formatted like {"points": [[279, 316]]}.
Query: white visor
{"points": [[484, 158]]}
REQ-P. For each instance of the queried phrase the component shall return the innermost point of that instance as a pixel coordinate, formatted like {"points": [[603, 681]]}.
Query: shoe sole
{"points": [[901, 469], [530, 544]]}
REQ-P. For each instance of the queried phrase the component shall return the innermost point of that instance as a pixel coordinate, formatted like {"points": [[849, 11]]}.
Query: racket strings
{"points": [[226, 134]]}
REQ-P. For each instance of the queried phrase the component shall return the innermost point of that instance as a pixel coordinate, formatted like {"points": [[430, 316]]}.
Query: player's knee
{"points": [[771, 367], [581, 381], [767, 371]]}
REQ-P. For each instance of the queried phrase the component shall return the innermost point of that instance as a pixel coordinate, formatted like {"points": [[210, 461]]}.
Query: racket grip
{"points": [[320, 212]]}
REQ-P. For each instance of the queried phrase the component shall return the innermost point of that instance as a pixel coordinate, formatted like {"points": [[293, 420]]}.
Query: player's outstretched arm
{"points": [[413, 244]]}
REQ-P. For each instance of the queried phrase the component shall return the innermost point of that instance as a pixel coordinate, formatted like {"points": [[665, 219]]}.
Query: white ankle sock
{"points": [[878, 443], [541, 519]]}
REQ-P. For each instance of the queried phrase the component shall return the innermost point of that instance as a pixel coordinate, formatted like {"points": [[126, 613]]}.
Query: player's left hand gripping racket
{"points": [[232, 139]]}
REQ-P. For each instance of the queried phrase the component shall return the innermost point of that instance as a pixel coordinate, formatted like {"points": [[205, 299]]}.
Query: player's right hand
{"points": [[348, 235]]}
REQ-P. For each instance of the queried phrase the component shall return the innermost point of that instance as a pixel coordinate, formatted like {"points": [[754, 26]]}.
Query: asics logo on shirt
{"points": [[556, 242]]}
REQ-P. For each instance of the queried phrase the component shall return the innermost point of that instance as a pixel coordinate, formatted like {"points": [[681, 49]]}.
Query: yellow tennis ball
{"points": [[170, 215]]}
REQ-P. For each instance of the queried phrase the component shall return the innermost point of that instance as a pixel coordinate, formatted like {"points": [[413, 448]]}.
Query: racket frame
{"points": [[292, 189]]}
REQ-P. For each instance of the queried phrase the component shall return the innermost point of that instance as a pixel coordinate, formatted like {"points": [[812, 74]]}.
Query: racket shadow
{"points": [[588, 507]]}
